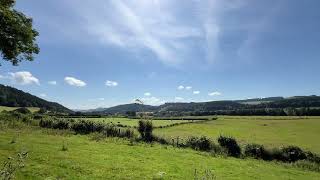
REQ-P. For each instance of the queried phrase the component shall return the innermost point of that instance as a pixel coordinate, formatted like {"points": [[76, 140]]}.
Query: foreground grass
{"points": [[270, 131], [119, 159]]}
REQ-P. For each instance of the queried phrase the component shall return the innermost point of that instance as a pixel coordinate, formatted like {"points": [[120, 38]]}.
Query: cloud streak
{"points": [[111, 83]]}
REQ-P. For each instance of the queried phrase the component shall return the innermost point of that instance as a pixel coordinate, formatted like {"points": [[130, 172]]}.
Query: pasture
{"points": [[133, 122], [6, 108], [270, 131], [114, 158]]}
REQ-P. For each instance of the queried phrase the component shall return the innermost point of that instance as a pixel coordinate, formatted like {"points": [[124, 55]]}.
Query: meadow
{"points": [[268, 130], [112, 158], [271, 131], [134, 122], [66, 154], [6, 108]]}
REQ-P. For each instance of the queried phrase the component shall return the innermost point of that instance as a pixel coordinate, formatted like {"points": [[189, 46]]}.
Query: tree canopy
{"points": [[17, 36]]}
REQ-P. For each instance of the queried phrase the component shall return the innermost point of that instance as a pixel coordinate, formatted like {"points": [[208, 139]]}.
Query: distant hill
{"points": [[127, 108], [256, 106], [13, 97]]}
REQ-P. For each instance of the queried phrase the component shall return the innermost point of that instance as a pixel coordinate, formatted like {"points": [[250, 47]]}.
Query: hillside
{"points": [[257, 106], [13, 97]]}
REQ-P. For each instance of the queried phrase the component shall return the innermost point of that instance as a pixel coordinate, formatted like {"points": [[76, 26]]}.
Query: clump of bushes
{"points": [[231, 145], [145, 129], [289, 154], [257, 151], [23, 110], [86, 127], [203, 143]]}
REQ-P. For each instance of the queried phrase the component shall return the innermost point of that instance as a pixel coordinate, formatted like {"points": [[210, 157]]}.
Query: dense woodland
{"points": [[16, 98]]}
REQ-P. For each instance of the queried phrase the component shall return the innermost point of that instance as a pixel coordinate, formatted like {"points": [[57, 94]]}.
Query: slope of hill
{"points": [[277, 103], [13, 97]]}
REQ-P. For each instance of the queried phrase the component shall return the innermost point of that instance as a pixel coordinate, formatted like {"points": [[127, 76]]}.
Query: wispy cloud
{"points": [[178, 99], [111, 83], [215, 93], [52, 82], [165, 28], [74, 82], [180, 87], [196, 92], [152, 101], [23, 78], [147, 94]]}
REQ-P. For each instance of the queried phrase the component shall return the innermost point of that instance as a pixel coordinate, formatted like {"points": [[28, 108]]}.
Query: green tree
{"points": [[17, 36]]}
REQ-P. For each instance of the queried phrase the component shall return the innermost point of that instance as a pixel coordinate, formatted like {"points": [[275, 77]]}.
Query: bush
{"points": [[231, 145], [60, 124], [257, 151], [145, 129], [46, 123], [289, 154], [202, 144], [23, 110], [86, 127], [312, 157]]}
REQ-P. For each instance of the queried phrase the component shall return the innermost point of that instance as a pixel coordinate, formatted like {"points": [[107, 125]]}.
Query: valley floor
{"points": [[114, 158]]}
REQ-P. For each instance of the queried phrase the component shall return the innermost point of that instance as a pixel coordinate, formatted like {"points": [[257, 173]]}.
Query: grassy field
{"points": [[134, 122], [271, 131], [32, 109], [119, 159]]}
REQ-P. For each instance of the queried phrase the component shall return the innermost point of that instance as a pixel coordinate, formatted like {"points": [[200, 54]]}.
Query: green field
{"points": [[5, 108], [118, 159], [270, 131], [134, 122]]}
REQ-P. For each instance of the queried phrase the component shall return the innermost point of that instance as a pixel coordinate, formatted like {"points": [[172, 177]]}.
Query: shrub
{"points": [[60, 124], [257, 151], [231, 145], [86, 127], [145, 129], [46, 123], [312, 157], [289, 154], [202, 144], [23, 110]]}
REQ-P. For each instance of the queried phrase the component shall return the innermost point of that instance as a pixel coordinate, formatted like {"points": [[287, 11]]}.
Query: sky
{"points": [[103, 53]]}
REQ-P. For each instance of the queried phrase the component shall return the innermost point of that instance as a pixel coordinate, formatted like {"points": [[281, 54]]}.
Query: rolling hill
{"points": [[12, 97], [235, 107]]}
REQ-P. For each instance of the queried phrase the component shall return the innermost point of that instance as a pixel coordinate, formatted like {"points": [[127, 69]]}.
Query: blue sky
{"points": [[107, 52]]}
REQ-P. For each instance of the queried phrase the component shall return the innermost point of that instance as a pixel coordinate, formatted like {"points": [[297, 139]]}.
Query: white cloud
{"points": [[52, 82], [180, 87], [154, 26], [196, 92], [74, 82], [43, 95], [147, 94], [23, 78], [188, 88], [111, 83], [178, 99], [152, 101], [216, 93]]}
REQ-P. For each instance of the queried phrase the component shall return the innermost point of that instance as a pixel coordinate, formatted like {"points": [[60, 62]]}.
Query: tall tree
{"points": [[17, 36]]}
